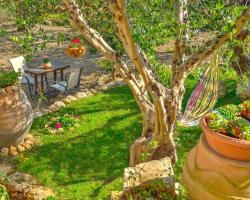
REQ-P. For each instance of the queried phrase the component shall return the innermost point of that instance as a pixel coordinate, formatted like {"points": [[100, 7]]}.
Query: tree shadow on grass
{"points": [[98, 151]]}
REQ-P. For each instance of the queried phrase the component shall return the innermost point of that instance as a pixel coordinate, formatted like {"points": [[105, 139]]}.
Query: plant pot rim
{"points": [[217, 136]]}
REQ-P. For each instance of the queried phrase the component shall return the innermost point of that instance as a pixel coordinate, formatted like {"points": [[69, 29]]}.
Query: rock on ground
{"points": [[56, 106], [24, 187], [156, 177], [68, 99]]}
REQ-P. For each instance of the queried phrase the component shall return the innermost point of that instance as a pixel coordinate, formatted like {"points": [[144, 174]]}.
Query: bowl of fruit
{"points": [[227, 131]]}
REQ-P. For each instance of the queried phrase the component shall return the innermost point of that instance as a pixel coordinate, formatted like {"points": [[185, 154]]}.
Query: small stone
{"points": [[56, 106], [103, 87], [4, 152], [6, 168], [9, 89], [2, 91], [15, 88], [20, 148], [29, 142], [89, 94], [69, 99], [13, 151], [81, 95], [92, 91], [39, 193], [28, 137], [27, 146]]}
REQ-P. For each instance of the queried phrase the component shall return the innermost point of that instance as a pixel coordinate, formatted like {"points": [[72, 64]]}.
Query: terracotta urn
{"points": [[207, 175], [227, 146], [16, 116]]}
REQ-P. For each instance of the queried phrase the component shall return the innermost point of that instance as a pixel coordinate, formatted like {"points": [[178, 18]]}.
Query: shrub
{"points": [[8, 78]]}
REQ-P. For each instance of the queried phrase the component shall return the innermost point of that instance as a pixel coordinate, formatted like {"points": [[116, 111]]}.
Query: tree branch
{"points": [[183, 35], [95, 39], [197, 58], [118, 9]]}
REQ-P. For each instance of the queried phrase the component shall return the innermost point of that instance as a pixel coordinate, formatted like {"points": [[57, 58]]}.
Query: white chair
{"points": [[19, 65]]}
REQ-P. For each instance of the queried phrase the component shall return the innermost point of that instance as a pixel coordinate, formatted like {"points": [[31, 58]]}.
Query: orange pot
{"points": [[229, 147], [76, 51], [208, 175], [47, 65]]}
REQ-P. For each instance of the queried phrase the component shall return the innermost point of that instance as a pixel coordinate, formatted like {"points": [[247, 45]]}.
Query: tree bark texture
{"points": [[241, 65]]}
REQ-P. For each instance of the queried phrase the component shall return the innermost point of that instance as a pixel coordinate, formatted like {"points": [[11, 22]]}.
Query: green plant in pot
{"points": [[16, 113], [229, 120], [227, 131], [46, 62]]}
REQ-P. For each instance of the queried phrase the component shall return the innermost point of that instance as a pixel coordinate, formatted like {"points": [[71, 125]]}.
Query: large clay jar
{"points": [[227, 146], [208, 175], [16, 116]]}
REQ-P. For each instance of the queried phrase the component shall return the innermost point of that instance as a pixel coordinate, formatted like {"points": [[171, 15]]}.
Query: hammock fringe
{"points": [[204, 97]]}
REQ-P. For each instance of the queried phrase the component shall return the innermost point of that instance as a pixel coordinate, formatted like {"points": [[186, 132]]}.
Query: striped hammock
{"points": [[204, 97]]}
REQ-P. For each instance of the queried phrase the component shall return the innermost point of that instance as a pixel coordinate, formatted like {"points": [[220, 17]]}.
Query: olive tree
{"points": [[160, 105]]}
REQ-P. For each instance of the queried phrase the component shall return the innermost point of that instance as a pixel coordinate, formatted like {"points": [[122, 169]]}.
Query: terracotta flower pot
{"points": [[229, 147], [16, 116], [208, 175], [76, 51], [47, 65]]}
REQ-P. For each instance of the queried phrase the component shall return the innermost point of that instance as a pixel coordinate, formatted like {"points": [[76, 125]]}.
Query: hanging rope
{"points": [[204, 97]]}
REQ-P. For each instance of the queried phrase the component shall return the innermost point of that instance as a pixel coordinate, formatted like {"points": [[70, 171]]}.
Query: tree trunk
{"points": [[241, 65]]}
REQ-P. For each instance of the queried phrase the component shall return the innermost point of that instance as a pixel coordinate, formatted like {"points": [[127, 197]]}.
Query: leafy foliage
{"points": [[8, 78], [231, 120], [3, 193]]}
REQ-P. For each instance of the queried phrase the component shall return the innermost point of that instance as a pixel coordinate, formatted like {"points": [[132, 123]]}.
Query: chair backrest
{"points": [[18, 64], [73, 78]]}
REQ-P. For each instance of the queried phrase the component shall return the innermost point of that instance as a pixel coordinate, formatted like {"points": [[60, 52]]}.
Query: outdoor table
{"points": [[41, 72]]}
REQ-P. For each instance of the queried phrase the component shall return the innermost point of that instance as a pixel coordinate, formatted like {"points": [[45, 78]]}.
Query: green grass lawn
{"points": [[89, 163]]}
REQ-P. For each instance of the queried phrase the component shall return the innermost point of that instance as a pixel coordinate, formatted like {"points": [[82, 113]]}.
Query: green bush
{"points": [[8, 78]]}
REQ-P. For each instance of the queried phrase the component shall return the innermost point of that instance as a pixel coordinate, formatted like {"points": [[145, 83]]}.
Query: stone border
{"points": [[27, 144]]}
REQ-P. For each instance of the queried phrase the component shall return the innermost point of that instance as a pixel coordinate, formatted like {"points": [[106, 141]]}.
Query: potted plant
{"points": [[16, 114], [218, 167], [46, 62], [227, 131], [76, 49]]}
